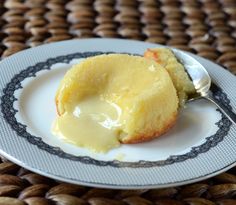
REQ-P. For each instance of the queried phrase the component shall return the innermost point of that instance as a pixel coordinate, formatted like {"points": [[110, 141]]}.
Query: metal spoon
{"points": [[202, 83]]}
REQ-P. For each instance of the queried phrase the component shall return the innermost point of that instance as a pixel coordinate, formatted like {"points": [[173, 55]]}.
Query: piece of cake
{"points": [[131, 96], [180, 78]]}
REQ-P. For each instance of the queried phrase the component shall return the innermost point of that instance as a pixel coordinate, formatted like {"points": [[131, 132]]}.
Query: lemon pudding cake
{"points": [[180, 78], [115, 98]]}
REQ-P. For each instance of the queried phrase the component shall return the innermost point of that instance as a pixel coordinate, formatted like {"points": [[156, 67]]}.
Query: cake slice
{"points": [[179, 76], [140, 90]]}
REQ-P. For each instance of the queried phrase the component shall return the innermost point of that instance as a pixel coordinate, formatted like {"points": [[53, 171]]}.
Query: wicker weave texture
{"points": [[205, 27], [19, 186]]}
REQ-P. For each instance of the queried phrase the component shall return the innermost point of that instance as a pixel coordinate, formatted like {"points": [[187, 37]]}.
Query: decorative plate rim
{"points": [[218, 159], [9, 112]]}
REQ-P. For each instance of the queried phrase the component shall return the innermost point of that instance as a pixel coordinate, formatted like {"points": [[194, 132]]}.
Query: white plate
{"points": [[201, 144]]}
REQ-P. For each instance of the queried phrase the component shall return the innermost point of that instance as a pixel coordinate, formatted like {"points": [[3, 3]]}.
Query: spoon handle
{"points": [[226, 111]]}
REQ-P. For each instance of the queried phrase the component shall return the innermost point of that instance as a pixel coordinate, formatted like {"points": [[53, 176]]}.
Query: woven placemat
{"points": [[205, 27]]}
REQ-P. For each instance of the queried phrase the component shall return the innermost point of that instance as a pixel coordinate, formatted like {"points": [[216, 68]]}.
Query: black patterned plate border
{"points": [[9, 112]]}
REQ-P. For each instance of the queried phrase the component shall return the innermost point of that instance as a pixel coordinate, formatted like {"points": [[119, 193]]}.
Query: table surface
{"points": [[204, 27]]}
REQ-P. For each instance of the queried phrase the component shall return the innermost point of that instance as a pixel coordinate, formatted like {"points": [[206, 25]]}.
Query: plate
{"points": [[201, 145]]}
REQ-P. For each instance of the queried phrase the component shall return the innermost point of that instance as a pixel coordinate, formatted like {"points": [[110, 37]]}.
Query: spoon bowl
{"points": [[202, 82]]}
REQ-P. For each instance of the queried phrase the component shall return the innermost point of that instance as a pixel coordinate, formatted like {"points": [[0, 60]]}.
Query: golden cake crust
{"points": [[154, 114], [150, 136], [180, 78]]}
